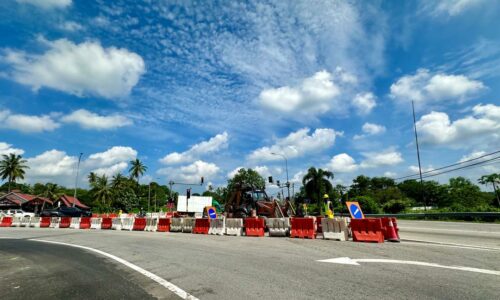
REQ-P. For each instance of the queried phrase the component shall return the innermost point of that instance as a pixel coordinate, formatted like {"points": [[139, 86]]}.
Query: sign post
{"points": [[355, 210]]}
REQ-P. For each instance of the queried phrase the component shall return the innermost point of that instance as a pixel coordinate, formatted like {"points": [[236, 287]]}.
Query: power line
{"points": [[448, 166], [464, 167]]}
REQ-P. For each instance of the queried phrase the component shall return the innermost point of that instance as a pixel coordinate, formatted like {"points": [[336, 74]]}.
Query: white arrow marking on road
{"points": [[355, 262]]}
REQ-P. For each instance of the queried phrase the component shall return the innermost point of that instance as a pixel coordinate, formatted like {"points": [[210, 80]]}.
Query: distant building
{"points": [[26, 202], [68, 201]]}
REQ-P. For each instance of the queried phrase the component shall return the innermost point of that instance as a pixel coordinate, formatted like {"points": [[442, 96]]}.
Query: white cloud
{"points": [[7, 149], [70, 26], [111, 157], [484, 124], [425, 87], [26, 123], [51, 164], [47, 4], [90, 120], [297, 144], [313, 95], [233, 172], [191, 173], [78, 69], [449, 7], [390, 174], [111, 170], [364, 103], [214, 144], [344, 163], [370, 129]]}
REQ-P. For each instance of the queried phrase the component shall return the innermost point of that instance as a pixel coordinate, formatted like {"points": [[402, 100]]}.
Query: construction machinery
{"points": [[246, 201]]}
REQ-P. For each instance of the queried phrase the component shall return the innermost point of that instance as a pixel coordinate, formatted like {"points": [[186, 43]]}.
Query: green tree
{"points": [[137, 169], [12, 167], [92, 178], [492, 179], [103, 191], [246, 177], [462, 193], [317, 183]]}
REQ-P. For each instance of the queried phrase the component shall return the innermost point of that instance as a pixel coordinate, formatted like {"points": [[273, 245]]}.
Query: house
{"points": [[26, 202], [68, 201]]}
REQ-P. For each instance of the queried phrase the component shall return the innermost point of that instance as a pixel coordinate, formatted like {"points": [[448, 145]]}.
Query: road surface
{"points": [[225, 267]]}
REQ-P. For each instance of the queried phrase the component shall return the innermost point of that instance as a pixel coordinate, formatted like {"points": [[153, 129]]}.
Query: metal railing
{"points": [[434, 215]]}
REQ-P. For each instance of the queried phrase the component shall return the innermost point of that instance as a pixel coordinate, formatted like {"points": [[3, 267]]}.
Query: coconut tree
{"points": [[316, 183], [492, 179], [137, 169], [12, 167], [102, 190], [92, 179]]}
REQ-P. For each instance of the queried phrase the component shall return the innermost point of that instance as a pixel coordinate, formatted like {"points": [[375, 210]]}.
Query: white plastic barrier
{"points": [[54, 222], [25, 221], [116, 224], [75, 223], [278, 226], [176, 224], [128, 223], [335, 229], [187, 225], [234, 227], [34, 222], [151, 224], [95, 223], [217, 226], [16, 221]]}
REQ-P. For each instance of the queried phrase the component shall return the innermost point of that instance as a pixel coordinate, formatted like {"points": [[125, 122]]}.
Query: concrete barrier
{"points": [[187, 225], [176, 224], [25, 221], [335, 229], [151, 224], [75, 223], [116, 224], [95, 223], [217, 226], [278, 226], [54, 222], [127, 223], [16, 222], [34, 222], [234, 227]]}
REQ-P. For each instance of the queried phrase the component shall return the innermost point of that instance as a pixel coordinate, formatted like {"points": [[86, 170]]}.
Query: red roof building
{"points": [[68, 202], [25, 201]]}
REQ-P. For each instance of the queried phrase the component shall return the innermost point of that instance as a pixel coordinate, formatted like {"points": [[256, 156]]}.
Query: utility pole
{"points": [[76, 179], [418, 157], [149, 195], [286, 168]]}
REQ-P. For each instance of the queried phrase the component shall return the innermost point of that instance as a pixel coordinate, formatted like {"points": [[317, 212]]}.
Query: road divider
{"points": [[304, 228], [367, 230], [85, 223], [254, 226], [176, 224], [217, 226], [16, 222], [54, 222], [278, 226], [34, 222], [201, 226], [106, 223], [75, 223], [151, 224], [116, 224], [187, 225], [163, 225], [139, 224], [234, 226], [127, 223], [65, 222], [6, 222], [335, 229], [95, 223]]}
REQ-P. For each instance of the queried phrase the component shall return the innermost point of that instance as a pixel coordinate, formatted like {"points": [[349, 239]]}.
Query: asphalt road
{"points": [[224, 267]]}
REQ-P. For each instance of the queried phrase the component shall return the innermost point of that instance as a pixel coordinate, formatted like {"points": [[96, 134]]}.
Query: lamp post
{"points": [[286, 168], [149, 195], [76, 179]]}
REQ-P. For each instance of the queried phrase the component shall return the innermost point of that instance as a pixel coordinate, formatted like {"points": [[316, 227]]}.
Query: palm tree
{"points": [[137, 169], [316, 183], [118, 180], [12, 167], [102, 190], [92, 179], [492, 179]]}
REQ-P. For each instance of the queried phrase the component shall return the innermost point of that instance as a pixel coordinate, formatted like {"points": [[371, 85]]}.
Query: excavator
{"points": [[245, 199]]}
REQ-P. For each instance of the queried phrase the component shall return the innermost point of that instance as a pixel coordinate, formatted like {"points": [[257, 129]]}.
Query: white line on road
{"points": [[355, 262], [451, 245], [170, 286], [402, 228]]}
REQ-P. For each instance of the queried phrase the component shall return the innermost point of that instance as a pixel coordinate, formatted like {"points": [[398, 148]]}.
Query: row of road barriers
{"points": [[364, 230]]}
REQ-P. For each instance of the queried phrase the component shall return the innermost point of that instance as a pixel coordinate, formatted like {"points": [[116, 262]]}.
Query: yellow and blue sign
{"points": [[211, 212], [355, 210]]}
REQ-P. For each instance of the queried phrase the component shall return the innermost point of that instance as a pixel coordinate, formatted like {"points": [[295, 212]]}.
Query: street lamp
{"points": [[76, 179], [286, 168]]}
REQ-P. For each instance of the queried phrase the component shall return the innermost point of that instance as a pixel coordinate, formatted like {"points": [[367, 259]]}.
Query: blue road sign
{"points": [[212, 213], [355, 210]]}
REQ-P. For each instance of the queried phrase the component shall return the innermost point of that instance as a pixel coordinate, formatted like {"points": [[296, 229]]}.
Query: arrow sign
{"points": [[355, 262]]}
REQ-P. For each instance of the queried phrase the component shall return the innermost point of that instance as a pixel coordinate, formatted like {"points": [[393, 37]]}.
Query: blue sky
{"points": [[203, 88]]}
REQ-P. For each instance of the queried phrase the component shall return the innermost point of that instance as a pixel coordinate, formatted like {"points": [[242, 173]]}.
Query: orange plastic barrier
{"points": [[85, 223], [65, 222], [44, 222], [304, 228], [139, 224], [389, 229], [163, 225], [106, 223], [367, 230], [6, 222], [201, 226], [254, 226]]}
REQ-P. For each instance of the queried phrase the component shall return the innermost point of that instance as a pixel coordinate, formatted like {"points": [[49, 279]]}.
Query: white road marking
{"points": [[355, 262], [450, 245], [449, 230], [170, 286]]}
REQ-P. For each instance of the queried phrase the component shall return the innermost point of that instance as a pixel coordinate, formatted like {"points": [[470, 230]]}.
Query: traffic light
{"points": [[270, 179], [202, 179], [277, 182], [188, 193]]}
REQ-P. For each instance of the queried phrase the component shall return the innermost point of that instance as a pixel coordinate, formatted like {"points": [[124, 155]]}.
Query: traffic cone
{"points": [[392, 236]]}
